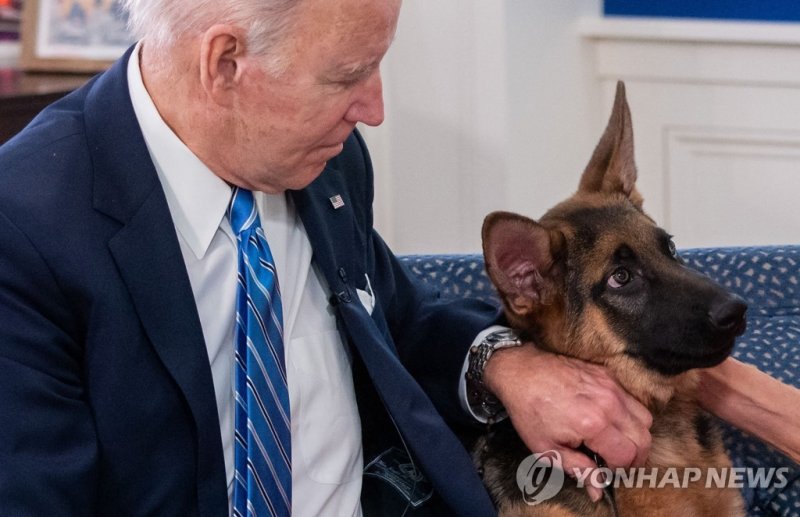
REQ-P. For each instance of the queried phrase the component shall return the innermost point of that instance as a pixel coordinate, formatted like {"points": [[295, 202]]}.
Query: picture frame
{"points": [[9, 20], [80, 36]]}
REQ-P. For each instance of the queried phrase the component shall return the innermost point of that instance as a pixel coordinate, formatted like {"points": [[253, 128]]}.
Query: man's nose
{"points": [[368, 106]]}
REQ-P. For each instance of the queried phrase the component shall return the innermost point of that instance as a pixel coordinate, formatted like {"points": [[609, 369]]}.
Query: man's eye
{"points": [[344, 84], [620, 277]]}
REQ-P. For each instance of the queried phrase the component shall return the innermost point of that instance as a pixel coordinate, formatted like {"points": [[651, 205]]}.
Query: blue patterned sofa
{"points": [[768, 278]]}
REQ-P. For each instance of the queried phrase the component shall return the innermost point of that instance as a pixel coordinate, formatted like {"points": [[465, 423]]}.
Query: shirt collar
{"points": [[197, 198]]}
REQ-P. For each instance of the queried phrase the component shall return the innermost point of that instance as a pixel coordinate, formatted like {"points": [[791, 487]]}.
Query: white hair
{"points": [[162, 22]]}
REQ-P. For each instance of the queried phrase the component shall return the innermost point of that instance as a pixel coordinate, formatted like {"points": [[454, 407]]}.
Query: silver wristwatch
{"points": [[480, 399]]}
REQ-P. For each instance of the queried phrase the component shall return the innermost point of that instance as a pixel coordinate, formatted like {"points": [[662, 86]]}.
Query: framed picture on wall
{"points": [[72, 35], [9, 19]]}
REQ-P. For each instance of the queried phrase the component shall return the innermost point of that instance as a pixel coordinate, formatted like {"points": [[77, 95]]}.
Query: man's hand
{"points": [[559, 403]]}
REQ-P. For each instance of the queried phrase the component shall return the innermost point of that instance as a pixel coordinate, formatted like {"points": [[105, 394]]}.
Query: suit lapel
{"points": [[438, 450], [147, 253], [330, 230], [338, 245]]}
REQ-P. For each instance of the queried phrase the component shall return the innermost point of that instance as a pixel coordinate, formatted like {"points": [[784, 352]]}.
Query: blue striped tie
{"points": [[262, 457]]}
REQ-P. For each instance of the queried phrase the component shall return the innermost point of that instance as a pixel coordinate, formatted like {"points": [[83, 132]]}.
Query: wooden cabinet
{"points": [[23, 95]]}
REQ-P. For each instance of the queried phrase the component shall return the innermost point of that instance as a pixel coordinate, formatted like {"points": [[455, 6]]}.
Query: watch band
{"points": [[480, 399]]}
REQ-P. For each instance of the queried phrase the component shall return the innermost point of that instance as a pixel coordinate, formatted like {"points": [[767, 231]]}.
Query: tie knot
{"points": [[242, 212]]}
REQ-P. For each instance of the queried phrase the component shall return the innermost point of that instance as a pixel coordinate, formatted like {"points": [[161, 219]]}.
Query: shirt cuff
{"points": [[480, 416]]}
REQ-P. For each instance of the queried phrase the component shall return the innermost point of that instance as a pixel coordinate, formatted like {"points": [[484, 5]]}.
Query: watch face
{"points": [[503, 337]]}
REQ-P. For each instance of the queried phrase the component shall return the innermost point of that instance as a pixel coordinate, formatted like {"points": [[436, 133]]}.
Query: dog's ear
{"points": [[518, 255], [612, 167]]}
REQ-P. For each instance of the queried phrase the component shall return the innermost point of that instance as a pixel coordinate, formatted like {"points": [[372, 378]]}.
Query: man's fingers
{"points": [[642, 442], [614, 447], [637, 410], [639, 420], [637, 428], [619, 429], [580, 467]]}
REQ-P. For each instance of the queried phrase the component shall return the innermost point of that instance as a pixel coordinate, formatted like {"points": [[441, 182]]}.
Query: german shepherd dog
{"points": [[596, 279]]}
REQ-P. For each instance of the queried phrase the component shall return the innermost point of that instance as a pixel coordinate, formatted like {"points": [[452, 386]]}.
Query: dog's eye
{"points": [[620, 277]]}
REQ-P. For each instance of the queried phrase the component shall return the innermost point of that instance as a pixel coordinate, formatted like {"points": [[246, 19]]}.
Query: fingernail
{"points": [[595, 494]]}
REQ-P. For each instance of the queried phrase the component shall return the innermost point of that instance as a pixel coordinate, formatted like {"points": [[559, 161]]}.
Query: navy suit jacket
{"points": [[106, 396]]}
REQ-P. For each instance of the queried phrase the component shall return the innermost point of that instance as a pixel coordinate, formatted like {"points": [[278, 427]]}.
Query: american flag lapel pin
{"points": [[336, 201]]}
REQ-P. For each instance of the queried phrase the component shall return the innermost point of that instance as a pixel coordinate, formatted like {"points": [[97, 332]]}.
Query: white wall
{"points": [[487, 108], [9, 54], [498, 105]]}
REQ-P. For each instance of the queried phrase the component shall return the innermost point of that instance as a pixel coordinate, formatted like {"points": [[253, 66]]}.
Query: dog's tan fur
{"points": [[536, 304]]}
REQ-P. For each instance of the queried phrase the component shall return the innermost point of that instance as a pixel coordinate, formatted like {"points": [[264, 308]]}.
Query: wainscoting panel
{"points": [[716, 115], [722, 186]]}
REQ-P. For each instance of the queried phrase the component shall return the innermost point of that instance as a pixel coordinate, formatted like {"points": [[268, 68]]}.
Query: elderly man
{"points": [[196, 315]]}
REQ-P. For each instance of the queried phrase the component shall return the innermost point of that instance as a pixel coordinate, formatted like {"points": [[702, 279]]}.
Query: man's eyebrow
{"points": [[350, 72], [357, 69]]}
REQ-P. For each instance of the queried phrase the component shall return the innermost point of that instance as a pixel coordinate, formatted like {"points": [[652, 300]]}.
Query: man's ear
{"points": [[222, 53], [518, 253]]}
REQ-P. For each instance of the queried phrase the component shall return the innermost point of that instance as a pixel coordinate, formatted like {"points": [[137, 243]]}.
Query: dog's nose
{"points": [[728, 314]]}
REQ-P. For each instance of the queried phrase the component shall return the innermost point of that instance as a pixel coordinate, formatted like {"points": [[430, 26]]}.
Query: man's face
{"points": [[291, 124]]}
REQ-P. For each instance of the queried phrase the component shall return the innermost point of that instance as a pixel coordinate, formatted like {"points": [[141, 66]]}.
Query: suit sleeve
{"points": [[432, 335], [48, 447]]}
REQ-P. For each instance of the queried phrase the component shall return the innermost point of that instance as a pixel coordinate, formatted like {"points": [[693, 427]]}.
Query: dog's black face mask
{"points": [[669, 316]]}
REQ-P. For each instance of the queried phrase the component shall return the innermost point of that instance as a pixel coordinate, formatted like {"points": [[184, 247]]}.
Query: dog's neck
{"points": [[555, 333], [652, 389], [586, 340]]}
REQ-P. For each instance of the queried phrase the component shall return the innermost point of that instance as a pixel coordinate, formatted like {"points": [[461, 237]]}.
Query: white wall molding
{"points": [[697, 52], [690, 31]]}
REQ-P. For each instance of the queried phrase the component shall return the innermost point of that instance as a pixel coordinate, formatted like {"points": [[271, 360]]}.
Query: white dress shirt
{"points": [[327, 458]]}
